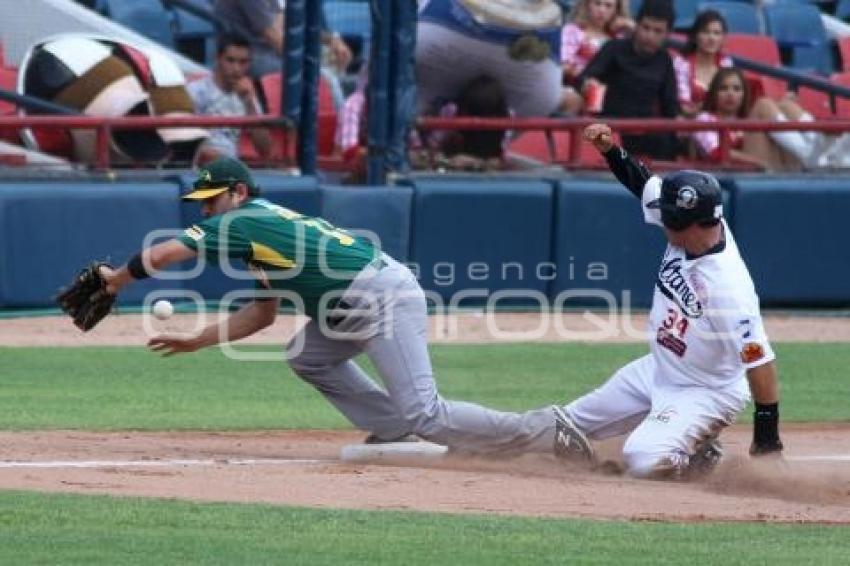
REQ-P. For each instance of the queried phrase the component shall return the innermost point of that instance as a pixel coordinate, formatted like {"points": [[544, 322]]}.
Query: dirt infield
{"points": [[467, 328], [303, 467]]}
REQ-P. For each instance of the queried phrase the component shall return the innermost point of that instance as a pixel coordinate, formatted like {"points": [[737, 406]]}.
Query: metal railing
{"points": [[574, 127], [104, 127]]}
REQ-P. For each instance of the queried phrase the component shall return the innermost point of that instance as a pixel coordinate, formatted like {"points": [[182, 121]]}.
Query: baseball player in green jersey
{"points": [[358, 300]]}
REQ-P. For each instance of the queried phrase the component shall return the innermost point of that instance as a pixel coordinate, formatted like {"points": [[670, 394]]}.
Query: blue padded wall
{"points": [[788, 232], [51, 230], [599, 222], [386, 211], [300, 194], [462, 225]]}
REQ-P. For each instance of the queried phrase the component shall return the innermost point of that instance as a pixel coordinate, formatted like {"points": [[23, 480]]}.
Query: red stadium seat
{"points": [[8, 79], [557, 149], [538, 146], [815, 102], [272, 86], [842, 105], [844, 51], [759, 48]]}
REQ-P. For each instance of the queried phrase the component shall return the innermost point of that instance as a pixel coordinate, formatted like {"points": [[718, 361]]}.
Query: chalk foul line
{"points": [[164, 463], [199, 462]]}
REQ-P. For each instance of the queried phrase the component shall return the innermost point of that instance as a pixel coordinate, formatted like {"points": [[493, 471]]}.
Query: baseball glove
{"points": [[86, 299]]}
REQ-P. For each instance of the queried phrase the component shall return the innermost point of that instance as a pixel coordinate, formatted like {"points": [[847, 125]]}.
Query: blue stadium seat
{"points": [[842, 10], [195, 34], [686, 12], [348, 17], [798, 28], [740, 17], [147, 17]]}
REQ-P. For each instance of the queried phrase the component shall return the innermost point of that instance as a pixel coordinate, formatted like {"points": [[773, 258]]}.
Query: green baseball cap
{"points": [[218, 176]]}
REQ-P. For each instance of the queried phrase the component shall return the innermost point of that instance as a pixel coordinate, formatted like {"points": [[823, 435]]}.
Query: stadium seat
{"points": [[352, 19], [8, 79], [740, 17], [842, 105], [798, 28], [842, 10], [147, 17], [271, 84], [686, 12], [759, 48], [195, 35], [844, 52], [540, 147], [815, 102], [348, 17], [556, 148], [756, 47]]}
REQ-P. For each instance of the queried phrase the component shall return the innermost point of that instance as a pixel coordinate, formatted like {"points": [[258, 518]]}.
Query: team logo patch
{"points": [[752, 352], [195, 233], [205, 176], [686, 198]]}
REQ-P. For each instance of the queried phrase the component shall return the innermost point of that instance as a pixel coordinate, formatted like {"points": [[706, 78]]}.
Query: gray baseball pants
{"points": [[383, 313]]}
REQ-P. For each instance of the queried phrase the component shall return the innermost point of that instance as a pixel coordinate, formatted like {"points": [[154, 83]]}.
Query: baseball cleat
{"points": [[375, 439], [705, 458], [570, 442]]}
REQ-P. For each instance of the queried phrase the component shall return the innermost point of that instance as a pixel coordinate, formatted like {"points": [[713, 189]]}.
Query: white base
{"points": [[392, 452]]}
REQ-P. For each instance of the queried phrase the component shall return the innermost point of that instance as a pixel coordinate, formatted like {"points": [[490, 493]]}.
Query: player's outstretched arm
{"points": [[146, 263], [764, 387], [251, 318], [630, 172]]}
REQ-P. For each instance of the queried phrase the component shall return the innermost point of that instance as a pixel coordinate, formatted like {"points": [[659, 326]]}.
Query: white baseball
{"points": [[162, 309]]}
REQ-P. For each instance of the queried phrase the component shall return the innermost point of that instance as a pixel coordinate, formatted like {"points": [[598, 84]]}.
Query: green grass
{"points": [[130, 388], [69, 529]]}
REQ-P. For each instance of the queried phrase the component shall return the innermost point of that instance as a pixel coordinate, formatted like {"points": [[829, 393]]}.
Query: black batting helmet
{"points": [[688, 197]]}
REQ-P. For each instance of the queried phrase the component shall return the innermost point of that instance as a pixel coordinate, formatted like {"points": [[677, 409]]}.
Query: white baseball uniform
{"points": [[705, 331]]}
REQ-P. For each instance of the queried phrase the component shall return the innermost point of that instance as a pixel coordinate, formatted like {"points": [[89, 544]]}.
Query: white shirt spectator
{"points": [[210, 100]]}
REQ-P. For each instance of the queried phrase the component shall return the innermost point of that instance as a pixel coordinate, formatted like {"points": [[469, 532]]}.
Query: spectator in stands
{"points": [[592, 24], [476, 150], [262, 21], [517, 42], [728, 98], [639, 78], [229, 91], [701, 58]]}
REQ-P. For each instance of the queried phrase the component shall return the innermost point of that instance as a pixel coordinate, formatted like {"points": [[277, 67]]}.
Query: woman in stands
{"points": [[700, 60], [592, 23], [728, 98]]}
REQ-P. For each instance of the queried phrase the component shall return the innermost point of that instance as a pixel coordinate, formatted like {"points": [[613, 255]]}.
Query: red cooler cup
{"points": [[594, 97]]}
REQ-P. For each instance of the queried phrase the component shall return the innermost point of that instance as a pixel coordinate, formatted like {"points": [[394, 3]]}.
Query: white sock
{"points": [[792, 141], [811, 136]]}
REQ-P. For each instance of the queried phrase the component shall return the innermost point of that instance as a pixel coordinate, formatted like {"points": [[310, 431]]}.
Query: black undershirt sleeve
{"points": [[629, 171]]}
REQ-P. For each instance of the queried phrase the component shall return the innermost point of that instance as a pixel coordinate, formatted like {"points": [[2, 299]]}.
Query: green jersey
{"points": [[284, 250]]}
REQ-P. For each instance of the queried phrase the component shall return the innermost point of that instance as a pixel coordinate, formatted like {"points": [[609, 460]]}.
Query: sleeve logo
{"points": [[752, 352], [195, 233]]}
